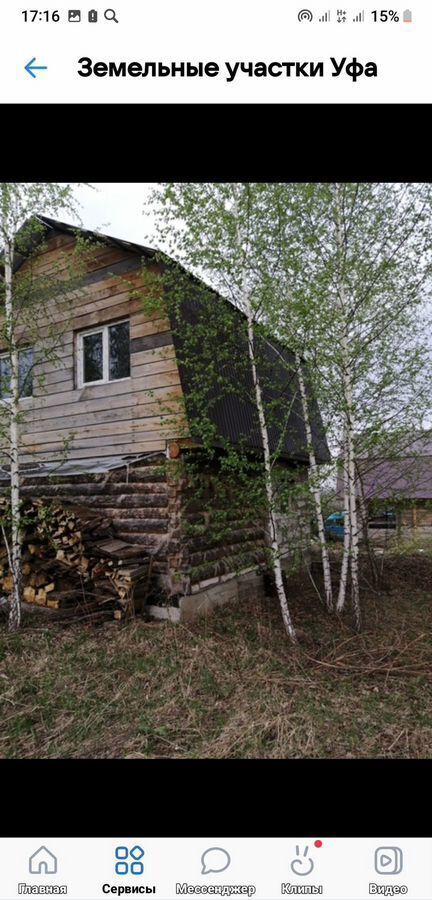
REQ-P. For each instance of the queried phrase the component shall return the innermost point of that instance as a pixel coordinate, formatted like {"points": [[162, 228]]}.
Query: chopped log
{"points": [[118, 550], [100, 569], [33, 549]]}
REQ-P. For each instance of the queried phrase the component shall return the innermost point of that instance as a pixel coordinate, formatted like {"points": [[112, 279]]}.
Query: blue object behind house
{"points": [[334, 525]]}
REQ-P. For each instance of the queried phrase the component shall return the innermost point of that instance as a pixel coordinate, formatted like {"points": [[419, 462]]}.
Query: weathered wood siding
{"points": [[135, 415], [418, 515]]}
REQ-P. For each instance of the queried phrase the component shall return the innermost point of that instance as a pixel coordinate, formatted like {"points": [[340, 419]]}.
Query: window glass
{"points": [[4, 376], [26, 373], [119, 351], [92, 357]]}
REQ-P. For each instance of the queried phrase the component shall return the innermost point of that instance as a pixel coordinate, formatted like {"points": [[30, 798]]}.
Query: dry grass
{"points": [[230, 686]]}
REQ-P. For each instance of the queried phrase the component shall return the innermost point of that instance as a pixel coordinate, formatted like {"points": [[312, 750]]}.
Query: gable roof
{"points": [[233, 412], [50, 226]]}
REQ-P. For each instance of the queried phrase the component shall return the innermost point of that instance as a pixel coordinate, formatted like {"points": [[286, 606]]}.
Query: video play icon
{"points": [[388, 860]]}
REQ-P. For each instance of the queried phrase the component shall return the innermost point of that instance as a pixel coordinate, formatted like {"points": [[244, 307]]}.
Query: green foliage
{"points": [[225, 478], [294, 265], [385, 264], [340, 274]]}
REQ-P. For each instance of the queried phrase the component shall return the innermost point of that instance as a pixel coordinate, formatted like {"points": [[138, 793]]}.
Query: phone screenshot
{"points": [[215, 449]]}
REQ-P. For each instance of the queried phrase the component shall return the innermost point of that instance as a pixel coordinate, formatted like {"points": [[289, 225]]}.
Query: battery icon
{"points": [[93, 16], [407, 15]]}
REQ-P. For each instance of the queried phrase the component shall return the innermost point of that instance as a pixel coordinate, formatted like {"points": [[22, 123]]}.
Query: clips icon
{"points": [[302, 864]]}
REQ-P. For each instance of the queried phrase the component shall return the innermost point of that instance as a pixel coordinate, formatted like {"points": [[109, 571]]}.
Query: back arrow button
{"points": [[30, 68]]}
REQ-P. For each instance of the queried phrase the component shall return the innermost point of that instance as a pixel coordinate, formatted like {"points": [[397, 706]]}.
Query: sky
{"points": [[118, 209]]}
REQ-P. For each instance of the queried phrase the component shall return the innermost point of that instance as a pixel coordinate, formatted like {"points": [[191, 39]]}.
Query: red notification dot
{"points": [[318, 844]]}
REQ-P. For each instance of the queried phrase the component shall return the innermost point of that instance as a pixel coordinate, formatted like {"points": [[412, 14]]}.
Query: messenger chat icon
{"points": [[215, 859]]}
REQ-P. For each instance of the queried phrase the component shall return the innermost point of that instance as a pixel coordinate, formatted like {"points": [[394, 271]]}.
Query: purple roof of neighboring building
{"points": [[410, 476]]}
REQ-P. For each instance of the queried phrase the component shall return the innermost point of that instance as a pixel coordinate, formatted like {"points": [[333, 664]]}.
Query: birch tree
{"points": [[358, 268], [341, 273], [292, 315], [26, 318], [219, 231], [315, 488], [241, 210]]}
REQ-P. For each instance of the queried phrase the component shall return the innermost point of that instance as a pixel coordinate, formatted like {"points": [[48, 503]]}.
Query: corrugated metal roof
{"points": [[233, 412]]}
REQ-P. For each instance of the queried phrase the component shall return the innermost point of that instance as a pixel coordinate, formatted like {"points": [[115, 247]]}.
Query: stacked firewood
{"points": [[70, 559]]}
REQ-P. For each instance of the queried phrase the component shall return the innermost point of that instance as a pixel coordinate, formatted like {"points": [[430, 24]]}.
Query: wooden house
{"points": [[401, 482], [123, 401]]}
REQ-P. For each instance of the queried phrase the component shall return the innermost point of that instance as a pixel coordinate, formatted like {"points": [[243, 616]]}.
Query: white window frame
{"points": [[104, 330], [8, 397]]}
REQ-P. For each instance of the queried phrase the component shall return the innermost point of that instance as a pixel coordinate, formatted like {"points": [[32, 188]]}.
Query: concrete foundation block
{"points": [[205, 601], [164, 612], [251, 586], [242, 587]]}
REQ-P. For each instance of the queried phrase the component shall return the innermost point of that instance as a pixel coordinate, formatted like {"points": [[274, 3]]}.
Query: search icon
{"points": [[110, 15]]}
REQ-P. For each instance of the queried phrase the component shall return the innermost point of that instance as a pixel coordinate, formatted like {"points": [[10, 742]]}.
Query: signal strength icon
{"points": [[325, 17], [359, 17]]}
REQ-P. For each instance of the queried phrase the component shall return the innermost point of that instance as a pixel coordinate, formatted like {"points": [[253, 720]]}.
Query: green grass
{"points": [[230, 686], [411, 544]]}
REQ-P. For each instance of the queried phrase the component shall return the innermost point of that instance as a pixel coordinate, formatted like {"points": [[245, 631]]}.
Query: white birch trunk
{"points": [[348, 402], [347, 535], [15, 550], [353, 518], [272, 524], [316, 493]]}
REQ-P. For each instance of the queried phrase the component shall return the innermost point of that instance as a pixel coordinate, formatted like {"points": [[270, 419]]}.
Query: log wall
{"points": [[149, 502]]}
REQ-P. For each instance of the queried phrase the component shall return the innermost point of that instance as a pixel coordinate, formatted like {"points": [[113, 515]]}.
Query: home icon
{"points": [[43, 862]]}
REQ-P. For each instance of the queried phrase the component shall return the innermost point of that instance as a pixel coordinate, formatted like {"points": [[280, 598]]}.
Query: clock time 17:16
{"points": [[44, 15]]}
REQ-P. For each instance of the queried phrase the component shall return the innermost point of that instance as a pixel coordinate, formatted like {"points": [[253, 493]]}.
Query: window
{"points": [[104, 354], [25, 374]]}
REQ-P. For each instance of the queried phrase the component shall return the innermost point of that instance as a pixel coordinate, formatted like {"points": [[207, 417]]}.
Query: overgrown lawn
{"points": [[230, 686]]}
